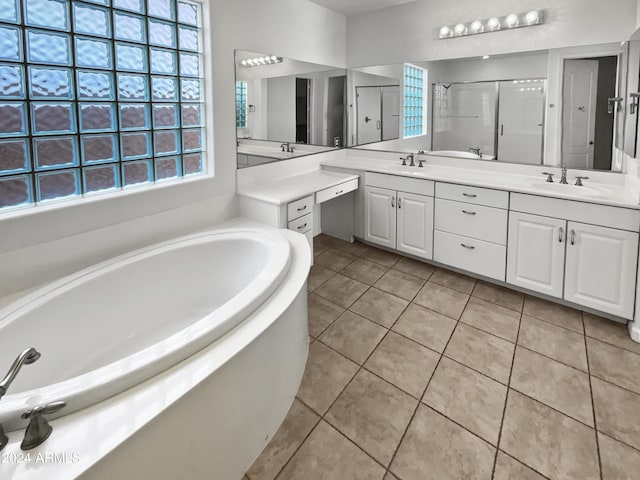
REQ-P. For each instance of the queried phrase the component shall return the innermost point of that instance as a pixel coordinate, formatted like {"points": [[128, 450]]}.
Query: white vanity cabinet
{"points": [[588, 256], [399, 213], [471, 229]]}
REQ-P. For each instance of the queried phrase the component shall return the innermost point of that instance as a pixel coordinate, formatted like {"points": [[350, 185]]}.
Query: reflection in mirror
{"points": [[490, 120], [286, 108], [507, 108]]}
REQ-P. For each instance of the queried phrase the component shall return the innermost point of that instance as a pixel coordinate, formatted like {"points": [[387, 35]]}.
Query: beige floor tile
{"points": [[356, 249], [502, 296], [353, 336], [614, 364], [322, 313], [425, 326], [492, 318], [617, 412], [619, 462], [328, 241], [552, 443], [481, 351], [383, 257], [403, 363], [609, 331], [553, 312], [415, 268], [373, 414], [317, 276], [474, 401], [555, 342], [442, 299], [435, 448], [379, 306], [454, 280], [334, 259], [390, 476], [509, 469], [342, 290], [296, 426], [554, 384], [328, 455], [400, 284], [325, 376], [364, 271]]}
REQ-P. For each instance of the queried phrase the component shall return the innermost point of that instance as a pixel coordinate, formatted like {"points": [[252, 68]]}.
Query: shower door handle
{"points": [[367, 119], [502, 129], [378, 125]]}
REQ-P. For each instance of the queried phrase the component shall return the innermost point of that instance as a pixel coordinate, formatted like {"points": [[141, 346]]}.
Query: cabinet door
{"points": [[535, 253], [380, 216], [601, 268], [415, 224]]}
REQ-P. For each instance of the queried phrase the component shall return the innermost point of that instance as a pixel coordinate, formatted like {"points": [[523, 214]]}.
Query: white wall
{"points": [[407, 33], [40, 244]]}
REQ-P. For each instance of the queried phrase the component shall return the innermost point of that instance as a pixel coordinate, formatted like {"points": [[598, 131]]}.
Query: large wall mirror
{"points": [[287, 108], [550, 107]]}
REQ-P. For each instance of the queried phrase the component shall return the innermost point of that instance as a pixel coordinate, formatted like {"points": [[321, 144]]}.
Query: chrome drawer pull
{"points": [[561, 235], [303, 208], [302, 226], [573, 237], [338, 193], [470, 247], [470, 195], [399, 202], [468, 213], [393, 204]]}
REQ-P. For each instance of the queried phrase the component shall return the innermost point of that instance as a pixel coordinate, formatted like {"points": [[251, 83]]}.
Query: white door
{"points": [[369, 115], [415, 224], [601, 268], [390, 112], [579, 90], [520, 121], [380, 216], [535, 253]]}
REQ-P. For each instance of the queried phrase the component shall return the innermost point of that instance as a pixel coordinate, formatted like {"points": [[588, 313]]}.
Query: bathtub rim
{"points": [[145, 363]]}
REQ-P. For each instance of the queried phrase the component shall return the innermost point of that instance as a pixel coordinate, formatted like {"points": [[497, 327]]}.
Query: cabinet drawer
{"points": [[300, 207], [475, 221], [302, 224], [479, 196], [399, 183], [333, 192], [477, 256]]}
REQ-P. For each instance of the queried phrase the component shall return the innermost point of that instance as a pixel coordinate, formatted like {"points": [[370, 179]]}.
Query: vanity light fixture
{"points": [[493, 24], [259, 61]]}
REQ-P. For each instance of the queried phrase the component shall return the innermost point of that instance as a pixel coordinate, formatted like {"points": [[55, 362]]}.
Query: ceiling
{"points": [[355, 7]]}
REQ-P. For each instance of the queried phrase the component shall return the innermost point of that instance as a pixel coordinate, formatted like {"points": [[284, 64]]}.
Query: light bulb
{"points": [[531, 17], [486, 57], [244, 63], [274, 58], [493, 23], [460, 29], [512, 20], [476, 26], [445, 31]]}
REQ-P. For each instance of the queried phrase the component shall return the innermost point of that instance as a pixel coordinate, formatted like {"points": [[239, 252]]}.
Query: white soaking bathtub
{"points": [[114, 325]]}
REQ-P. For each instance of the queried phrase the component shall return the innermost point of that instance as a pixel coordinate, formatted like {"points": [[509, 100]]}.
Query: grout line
{"points": [[506, 400], [593, 407], [617, 440], [523, 464]]}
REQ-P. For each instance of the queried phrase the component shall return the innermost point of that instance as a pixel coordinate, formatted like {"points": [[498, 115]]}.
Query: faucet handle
{"points": [[39, 429], [3, 438], [420, 163], [549, 176], [404, 161], [579, 180]]}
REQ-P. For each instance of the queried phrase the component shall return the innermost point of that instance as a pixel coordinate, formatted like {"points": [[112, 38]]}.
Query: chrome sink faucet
{"points": [[563, 178], [288, 147], [411, 158], [27, 357]]}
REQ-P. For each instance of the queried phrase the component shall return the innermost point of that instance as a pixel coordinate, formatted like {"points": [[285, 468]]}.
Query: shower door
{"points": [[378, 113]]}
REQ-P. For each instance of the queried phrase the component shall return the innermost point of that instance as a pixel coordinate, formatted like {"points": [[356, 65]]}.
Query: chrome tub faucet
{"points": [[27, 357]]}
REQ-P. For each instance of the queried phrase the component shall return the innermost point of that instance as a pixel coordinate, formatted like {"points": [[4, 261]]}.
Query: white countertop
{"points": [[286, 189], [534, 184]]}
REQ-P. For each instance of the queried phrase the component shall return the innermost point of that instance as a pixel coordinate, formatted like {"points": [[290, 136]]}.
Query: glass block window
{"points": [[241, 104], [97, 95], [414, 123]]}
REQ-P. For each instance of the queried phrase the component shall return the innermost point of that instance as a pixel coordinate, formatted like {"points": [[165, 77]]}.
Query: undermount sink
{"points": [[585, 190]]}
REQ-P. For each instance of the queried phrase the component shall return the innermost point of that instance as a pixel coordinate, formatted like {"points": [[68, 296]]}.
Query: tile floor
{"points": [[420, 373]]}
